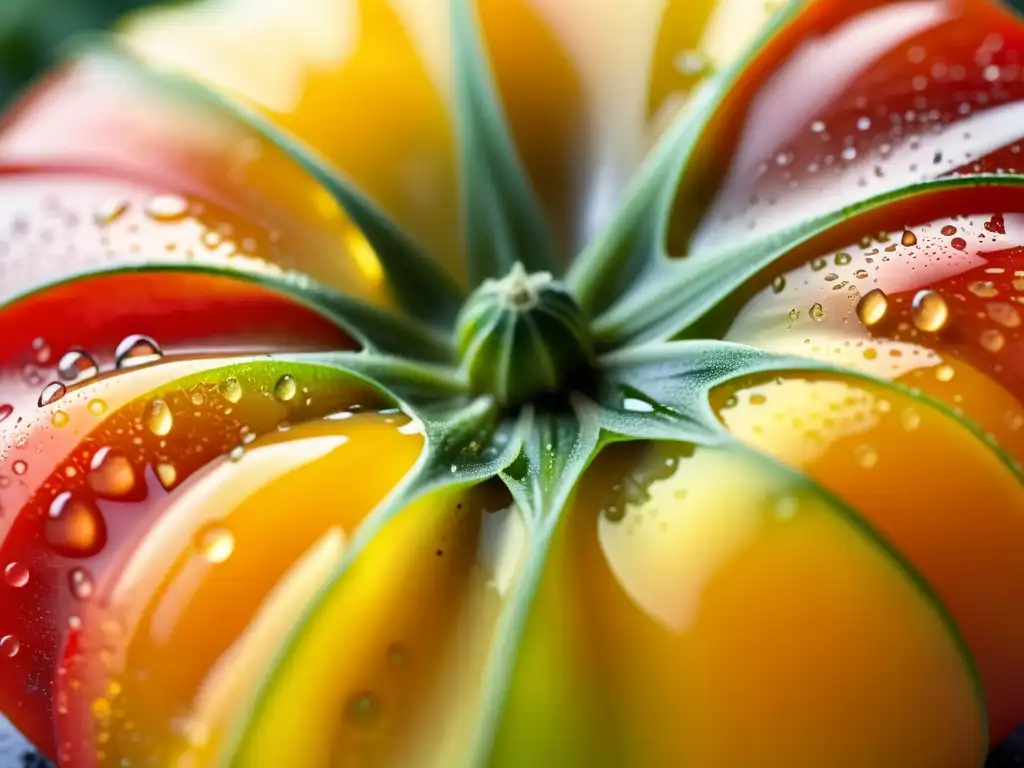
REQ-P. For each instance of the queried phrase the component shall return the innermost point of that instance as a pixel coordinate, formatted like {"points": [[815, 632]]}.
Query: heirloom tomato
{"points": [[515, 383]]}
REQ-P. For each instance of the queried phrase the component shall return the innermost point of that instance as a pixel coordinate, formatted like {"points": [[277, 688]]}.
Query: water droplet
{"points": [[945, 373], [929, 311], [842, 259], [5, 411], [794, 315], [60, 419], [167, 474], [831, 277], [137, 350], [77, 365], [42, 350], [101, 709], [785, 507], [167, 208], [16, 575], [111, 475], [231, 389], [863, 123], [81, 583], [51, 393], [215, 543], [691, 63], [992, 339], [74, 526], [949, 230], [866, 456], [959, 243], [779, 284], [362, 711], [1004, 314], [909, 239], [97, 407], [285, 388], [983, 288], [9, 646], [20, 467], [236, 453], [110, 211], [159, 419], [910, 419], [817, 127], [817, 312]]}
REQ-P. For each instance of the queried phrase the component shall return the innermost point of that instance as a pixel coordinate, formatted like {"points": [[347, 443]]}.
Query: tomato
{"points": [[519, 382]]}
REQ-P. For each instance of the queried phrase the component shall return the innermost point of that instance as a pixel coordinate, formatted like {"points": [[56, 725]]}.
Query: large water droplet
{"points": [[285, 388], [930, 311], [992, 339], [983, 288], [16, 575], [159, 419], [909, 239], [9, 646], [5, 410], [77, 365], [19, 467], [872, 307], [111, 475], [167, 208], [1004, 314], [75, 527], [137, 350], [817, 312], [215, 543], [51, 393], [167, 474]]}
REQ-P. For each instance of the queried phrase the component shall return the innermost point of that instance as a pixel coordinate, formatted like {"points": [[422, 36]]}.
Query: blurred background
{"points": [[31, 31]]}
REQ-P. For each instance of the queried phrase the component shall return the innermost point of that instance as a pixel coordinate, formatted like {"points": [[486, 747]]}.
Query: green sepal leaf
{"points": [[556, 449], [420, 286], [629, 256], [502, 220], [688, 289]]}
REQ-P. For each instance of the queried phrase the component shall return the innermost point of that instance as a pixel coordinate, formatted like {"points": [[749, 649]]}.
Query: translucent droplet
{"points": [[167, 474], [842, 259], [97, 407], [51, 393], [16, 575], [794, 315], [866, 456], [909, 239], [779, 284], [137, 350], [236, 453], [111, 475], [110, 211], [159, 419], [74, 526], [910, 419], [215, 543], [167, 208], [59, 419], [949, 230], [992, 339], [1004, 314], [983, 288], [9, 646], [231, 389], [81, 583], [42, 350], [77, 365], [362, 711], [959, 243], [19, 467], [691, 63], [929, 311], [5, 410], [817, 312], [285, 388], [945, 373]]}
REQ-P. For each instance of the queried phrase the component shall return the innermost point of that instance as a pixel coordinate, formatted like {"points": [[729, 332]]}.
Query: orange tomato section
{"points": [[168, 653], [88, 471], [940, 495], [735, 616]]}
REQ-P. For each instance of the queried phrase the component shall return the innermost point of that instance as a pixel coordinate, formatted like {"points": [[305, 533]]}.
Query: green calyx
{"points": [[522, 336]]}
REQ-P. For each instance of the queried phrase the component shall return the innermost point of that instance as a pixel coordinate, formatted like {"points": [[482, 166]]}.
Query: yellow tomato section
{"points": [[389, 667], [941, 496], [738, 617], [173, 650]]}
